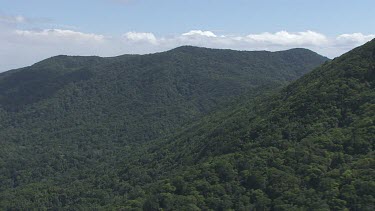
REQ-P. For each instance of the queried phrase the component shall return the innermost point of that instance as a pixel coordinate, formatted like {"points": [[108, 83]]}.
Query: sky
{"points": [[33, 30]]}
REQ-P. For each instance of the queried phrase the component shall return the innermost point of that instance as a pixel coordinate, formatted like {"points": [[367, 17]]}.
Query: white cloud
{"points": [[355, 38], [307, 38], [199, 33], [196, 38], [141, 37], [23, 47], [58, 34]]}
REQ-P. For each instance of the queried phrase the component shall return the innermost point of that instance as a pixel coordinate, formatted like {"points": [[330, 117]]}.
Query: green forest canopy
{"points": [[307, 146]]}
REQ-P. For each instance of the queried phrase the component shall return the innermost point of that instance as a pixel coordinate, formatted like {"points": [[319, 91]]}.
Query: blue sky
{"points": [[31, 30]]}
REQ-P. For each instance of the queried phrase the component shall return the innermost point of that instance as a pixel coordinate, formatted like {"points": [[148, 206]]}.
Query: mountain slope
{"points": [[137, 98], [311, 146], [69, 124]]}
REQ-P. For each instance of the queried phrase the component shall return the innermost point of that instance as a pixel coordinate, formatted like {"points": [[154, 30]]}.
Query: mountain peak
{"points": [[186, 48]]}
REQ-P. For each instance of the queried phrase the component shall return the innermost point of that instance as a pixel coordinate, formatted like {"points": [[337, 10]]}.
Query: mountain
{"points": [[91, 132], [308, 147], [135, 98]]}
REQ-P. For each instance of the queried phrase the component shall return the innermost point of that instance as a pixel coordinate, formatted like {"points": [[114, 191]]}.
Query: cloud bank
{"points": [[57, 35], [284, 38], [141, 37], [354, 39], [199, 33], [21, 47]]}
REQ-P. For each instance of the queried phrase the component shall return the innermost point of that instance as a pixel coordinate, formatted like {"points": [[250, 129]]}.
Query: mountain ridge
{"points": [[292, 150], [179, 48], [190, 84]]}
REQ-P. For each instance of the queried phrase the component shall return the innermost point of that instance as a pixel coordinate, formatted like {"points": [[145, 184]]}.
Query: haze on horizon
{"points": [[34, 30]]}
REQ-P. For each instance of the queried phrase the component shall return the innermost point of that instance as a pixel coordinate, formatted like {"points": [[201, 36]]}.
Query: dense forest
{"points": [[308, 147], [135, 98], [190, 129]]}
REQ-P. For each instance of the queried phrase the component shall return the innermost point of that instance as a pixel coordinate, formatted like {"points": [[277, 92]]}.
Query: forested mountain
{"points": [[134, 98], [71, 144], [308, 147]]}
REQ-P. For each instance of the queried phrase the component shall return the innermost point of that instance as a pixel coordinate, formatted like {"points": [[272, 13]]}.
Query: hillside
{"points": [[70, 124], [135, 98], [309, 147]]}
